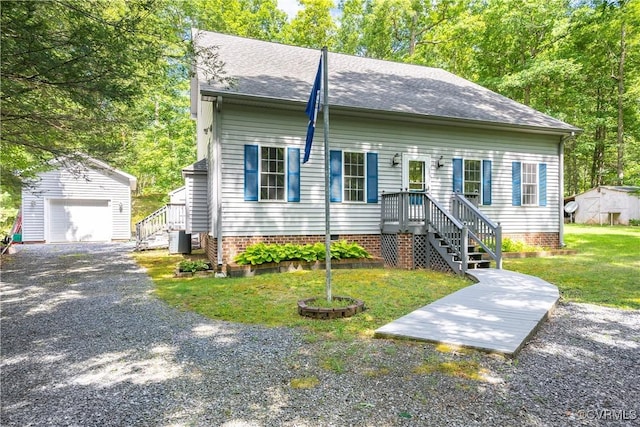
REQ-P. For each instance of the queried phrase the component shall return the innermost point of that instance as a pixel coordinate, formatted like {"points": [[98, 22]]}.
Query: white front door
{"points": [[416, 172]]}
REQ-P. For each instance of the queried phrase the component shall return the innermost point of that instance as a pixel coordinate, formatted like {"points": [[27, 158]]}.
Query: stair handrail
{"points": [[452, 231], [151, 224], [404, 208], [482, 230]]}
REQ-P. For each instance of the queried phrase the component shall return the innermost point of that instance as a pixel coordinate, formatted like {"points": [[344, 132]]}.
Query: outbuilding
{"points": [[87, 201], [608, 205]]}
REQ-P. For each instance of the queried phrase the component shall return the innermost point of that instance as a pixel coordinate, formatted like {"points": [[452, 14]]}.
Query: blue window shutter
{"points": [[457, 175], [516, 192], [293, 174], [486, 182], [542, 183], [335, 175], [372, 177], [251, 172]]}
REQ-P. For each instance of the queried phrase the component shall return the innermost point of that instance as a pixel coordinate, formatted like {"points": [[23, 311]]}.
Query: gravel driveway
{"points": [[86, 343]]}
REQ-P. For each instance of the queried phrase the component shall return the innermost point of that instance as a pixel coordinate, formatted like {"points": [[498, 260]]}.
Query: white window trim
{"points": [[536, 184], [464, 159], [344, 175], [286, 175]]}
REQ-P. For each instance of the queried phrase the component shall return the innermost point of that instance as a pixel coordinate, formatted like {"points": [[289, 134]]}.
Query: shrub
{"points": [[261, 253], [634, 222], [509, 245], [188, 265]]}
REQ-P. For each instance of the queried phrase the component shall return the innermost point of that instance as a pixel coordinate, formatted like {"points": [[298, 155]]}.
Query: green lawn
{"points": [[271, 299], [606, 270]]}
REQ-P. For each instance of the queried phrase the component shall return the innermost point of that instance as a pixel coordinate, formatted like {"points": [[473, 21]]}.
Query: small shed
{"points": [[86, 201], [608, 205]]}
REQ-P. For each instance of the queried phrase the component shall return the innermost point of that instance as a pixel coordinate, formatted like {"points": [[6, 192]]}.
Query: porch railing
{"points": [[405, 212], [481, 229], [169, 217]]}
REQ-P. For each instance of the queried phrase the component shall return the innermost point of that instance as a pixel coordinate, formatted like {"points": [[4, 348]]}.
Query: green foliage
{"points": [[634, 222], [604, 271], [192, 266], [343, 250], [70, 72], [509, 245], [313, 26], [258, 19], [261, 253], [270, 299], [8, 213]]}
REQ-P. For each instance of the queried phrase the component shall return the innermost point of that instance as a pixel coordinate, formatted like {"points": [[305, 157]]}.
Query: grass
{"points": [[144, 205], [467, 369], [304, 382], [606, 270], [271, 299]]}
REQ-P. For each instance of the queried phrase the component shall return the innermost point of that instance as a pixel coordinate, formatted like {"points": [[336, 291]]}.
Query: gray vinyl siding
{"points": [[62, 184], [197, 206], [261, 126]]}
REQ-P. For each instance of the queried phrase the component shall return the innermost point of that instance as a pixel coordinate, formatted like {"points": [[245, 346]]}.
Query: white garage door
{"points": [[77, 220]]}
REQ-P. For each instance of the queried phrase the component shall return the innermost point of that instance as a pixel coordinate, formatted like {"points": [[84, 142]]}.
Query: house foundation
{"points": [[545, 240], [234, 245], [399, 250]]}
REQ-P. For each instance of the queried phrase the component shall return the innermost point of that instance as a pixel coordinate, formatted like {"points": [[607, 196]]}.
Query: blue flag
{"points": [[313, 105]]}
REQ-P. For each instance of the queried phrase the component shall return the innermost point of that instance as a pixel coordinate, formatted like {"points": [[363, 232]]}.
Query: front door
{"points": [[415, 178], [416, 170]]}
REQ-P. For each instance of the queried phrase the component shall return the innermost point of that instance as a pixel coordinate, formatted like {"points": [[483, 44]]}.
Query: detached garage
{"points": [[89, 202]]}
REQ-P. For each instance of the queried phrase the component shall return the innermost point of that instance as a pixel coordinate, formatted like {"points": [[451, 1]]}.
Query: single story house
{"points": [[86, 201], [394, 128], [608, 205]]}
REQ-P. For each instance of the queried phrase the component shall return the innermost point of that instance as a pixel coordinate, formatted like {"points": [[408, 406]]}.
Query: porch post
{"points": [[464, 250]]}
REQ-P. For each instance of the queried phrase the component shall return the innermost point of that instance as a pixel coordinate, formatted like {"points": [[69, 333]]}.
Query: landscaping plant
{"points": [[187, 265], [261, 253]]}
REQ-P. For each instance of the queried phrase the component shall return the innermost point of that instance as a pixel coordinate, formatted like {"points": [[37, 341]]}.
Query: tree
{"points": [[313, 26], [606, 48], [258, 19], [70, 72]]}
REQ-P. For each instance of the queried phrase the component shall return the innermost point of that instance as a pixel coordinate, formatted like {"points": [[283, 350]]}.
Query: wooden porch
{"points": [[153, 231], [462, 237]]}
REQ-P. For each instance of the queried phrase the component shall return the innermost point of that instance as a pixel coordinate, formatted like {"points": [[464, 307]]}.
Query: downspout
{"points": [[561, 242], [217, 148]]}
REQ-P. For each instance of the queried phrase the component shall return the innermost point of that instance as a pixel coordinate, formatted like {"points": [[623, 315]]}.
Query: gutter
{"points": [[565, 138]]}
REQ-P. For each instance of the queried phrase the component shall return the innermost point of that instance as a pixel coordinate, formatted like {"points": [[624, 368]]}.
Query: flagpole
{"points": [[327, 172]]}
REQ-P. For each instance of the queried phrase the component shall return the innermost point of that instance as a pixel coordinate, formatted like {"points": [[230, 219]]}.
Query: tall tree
{"points": [[69, 72], [402, 30], [313, 26], [258, 19], [601, 41]]}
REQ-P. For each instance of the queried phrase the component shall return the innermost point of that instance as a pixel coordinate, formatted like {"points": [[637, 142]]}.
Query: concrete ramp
{"points": [[497, 314]]}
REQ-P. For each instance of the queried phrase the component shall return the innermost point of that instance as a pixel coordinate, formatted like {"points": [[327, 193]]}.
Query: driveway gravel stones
{"points": [[84, 342]]}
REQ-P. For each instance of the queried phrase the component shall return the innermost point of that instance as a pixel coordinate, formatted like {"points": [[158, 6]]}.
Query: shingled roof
{"points": [[276, 71]]}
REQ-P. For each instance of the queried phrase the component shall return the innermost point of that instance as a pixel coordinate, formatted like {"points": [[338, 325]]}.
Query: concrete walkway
{"points": [[497, 314]]}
